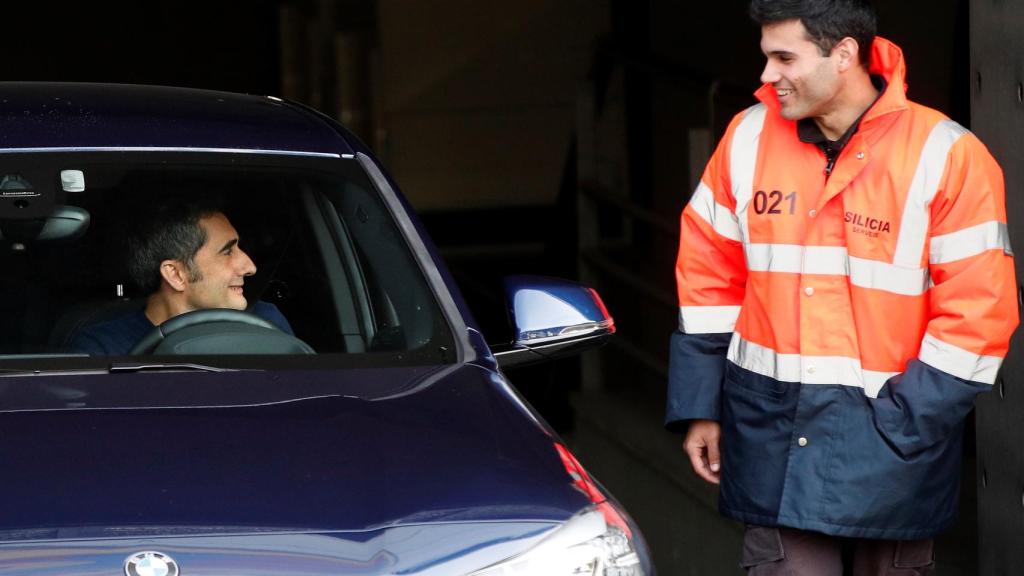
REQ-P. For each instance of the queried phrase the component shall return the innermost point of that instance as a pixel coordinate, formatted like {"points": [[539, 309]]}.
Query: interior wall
{"points": [[997, 111], [478, 101]]}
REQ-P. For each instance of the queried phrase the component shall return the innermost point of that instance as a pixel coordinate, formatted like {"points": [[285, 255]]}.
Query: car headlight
{"points": [[587, 544]]}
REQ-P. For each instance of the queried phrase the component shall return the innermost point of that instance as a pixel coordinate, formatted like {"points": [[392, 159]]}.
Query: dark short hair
{"points": [[169, 232], [827, 21]]}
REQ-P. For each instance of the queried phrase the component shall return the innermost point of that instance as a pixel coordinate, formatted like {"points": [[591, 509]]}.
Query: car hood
{"points": [[340, 457], [426, 550]]}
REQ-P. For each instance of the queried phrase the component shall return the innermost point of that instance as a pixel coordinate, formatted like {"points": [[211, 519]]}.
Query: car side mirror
{"points": [[551, 318]]}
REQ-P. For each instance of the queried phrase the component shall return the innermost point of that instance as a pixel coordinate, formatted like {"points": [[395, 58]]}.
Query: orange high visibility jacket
{"points": [[839, 327]]}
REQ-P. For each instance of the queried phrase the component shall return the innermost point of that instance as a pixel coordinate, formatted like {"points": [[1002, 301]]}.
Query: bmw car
{"points": [[373, 432]]}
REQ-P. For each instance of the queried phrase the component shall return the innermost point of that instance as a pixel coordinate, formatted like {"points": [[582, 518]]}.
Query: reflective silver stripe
{"points": [[914, 225], [835, 261], [743, 161], [889, 278], [826, 260], [774, 257], [175, 149], [719, 217], [970, 242], [958, 362], [708, 319], [797, 259], [835, 370]]}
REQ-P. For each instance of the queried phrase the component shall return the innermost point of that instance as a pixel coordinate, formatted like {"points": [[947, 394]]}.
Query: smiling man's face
{"points": [[806, 82], [220, 268]]}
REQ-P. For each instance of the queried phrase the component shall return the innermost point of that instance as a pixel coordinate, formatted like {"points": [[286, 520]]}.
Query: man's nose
{"points": [[769, 75], [246, 266]]}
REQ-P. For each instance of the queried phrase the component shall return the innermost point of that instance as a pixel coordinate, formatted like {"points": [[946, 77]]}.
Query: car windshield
{"points": [[321, 268]]}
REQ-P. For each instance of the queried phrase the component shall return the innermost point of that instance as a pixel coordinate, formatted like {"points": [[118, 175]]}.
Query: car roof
{"points": [[39, 115]]}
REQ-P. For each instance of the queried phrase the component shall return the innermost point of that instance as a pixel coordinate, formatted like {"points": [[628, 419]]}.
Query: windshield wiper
{"points": [[166, 367]]}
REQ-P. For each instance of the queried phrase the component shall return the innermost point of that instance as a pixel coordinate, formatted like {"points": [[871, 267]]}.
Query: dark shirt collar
{"points": [[809, 132]]}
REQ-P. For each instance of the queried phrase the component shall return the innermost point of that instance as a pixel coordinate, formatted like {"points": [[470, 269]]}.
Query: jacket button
{"points": [[809, 291], [810, 369], [812, 213], [802, 441], [860, 155]]}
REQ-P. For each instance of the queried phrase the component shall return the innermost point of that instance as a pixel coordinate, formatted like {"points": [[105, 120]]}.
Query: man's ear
{"points": [[848, 51], [175, 274]]}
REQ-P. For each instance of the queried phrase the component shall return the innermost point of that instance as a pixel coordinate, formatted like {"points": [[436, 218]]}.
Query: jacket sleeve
{"points": [[972, 301], [710, 280]]}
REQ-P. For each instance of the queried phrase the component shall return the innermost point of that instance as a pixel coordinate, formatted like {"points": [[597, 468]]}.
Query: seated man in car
{"points": [[186, 257]]}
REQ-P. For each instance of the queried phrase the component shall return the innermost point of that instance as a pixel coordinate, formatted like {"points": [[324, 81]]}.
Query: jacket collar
{"points": [[887, 62]]}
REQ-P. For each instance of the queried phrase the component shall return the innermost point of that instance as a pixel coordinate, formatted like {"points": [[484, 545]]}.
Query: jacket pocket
{"points": [[871, 484], [756, 433], [922, 407], [761, 546], [914, 554], [756, 384]]}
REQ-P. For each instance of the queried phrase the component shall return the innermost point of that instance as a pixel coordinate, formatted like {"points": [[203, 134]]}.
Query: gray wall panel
{"points": [[997, 117]]}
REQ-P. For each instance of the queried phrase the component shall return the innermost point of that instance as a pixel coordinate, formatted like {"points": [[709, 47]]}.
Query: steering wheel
{"points": [[194, 318]]}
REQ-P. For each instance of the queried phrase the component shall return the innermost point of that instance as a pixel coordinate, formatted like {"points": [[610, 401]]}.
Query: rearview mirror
{"points": [[551, 318]]}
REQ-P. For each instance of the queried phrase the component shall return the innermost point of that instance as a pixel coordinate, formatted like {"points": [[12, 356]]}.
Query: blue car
{"points": [[306, 394]]}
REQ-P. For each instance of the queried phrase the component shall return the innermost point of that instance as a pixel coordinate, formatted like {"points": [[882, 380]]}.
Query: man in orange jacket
{"points": [[846, 289]]}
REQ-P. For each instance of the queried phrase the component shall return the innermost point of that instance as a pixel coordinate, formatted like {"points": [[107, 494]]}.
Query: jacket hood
{"points": [[886, 61]]}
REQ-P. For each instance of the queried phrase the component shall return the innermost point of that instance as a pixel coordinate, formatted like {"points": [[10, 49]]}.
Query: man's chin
{"points": [[790, 113]]}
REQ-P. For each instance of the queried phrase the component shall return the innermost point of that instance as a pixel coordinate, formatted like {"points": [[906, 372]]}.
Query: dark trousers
{"points": [[790, 552]]}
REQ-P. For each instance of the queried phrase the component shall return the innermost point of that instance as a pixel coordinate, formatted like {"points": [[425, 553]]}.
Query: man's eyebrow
{"points": [[778, 53], [228, 245]]}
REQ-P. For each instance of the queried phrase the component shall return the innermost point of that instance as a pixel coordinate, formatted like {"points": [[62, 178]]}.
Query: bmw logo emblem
{"points": [[150, 564]]}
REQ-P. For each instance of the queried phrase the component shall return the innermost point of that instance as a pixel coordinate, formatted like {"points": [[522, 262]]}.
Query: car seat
{"points": [[85, 314]]}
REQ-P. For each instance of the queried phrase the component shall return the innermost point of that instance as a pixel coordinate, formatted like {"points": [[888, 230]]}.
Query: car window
{"points": [[331, 271]]}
